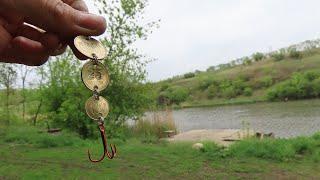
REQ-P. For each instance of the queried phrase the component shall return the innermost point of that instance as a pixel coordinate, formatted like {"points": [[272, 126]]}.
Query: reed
{"points": [[155, 124]]}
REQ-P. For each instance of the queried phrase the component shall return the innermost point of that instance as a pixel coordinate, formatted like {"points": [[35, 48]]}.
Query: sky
{"points": [[196, 34]]}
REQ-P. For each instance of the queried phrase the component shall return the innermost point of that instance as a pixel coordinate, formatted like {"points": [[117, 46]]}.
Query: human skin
{"points": [[61, 20]]}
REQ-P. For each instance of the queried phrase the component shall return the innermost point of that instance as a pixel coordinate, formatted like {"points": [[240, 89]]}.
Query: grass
{"points": [[29, 159], [278, 71]]}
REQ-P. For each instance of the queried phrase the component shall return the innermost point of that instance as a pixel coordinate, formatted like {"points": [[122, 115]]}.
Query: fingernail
{"points": [[92, 22]]}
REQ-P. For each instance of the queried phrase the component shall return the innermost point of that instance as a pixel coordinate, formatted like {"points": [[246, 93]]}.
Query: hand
{"points": [[60, 19]]}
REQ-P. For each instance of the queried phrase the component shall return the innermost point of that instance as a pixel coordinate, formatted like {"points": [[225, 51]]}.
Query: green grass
{"points": [[295, 158], [256, 73]]}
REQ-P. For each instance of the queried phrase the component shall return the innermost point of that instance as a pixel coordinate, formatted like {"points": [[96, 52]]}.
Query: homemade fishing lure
{"points": [[95, 76]]}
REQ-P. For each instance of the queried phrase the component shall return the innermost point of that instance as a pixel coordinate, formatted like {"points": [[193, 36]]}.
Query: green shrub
{"points": [[265, 82], [299, 86], [229, 92], [213, 91], [247, 61], [205, 83], [258, 56], [278, 56], [189, 75], [164, 87], [176, 95], [247, 91], [293, 53]]}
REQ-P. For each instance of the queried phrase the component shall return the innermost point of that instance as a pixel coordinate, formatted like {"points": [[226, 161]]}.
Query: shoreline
{"points": [[235, 102]]}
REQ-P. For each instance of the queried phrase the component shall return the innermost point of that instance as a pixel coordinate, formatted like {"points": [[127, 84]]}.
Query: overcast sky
{"points": [[195, 34]]}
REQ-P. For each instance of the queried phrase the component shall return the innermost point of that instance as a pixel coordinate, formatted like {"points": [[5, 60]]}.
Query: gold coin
{"points": [[97, 108], [90, 47], [95, 76]]}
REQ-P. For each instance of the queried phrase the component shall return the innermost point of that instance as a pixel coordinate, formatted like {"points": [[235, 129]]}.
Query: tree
{"points": [[42, 73], [24, 70], [64, 95], [8, 77], [126, 92]]}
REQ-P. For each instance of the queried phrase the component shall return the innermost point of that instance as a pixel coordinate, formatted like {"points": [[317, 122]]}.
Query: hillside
{"points": [[287, 74]]}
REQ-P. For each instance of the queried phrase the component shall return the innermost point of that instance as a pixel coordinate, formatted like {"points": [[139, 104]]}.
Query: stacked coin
{"points": [[95, 76]]}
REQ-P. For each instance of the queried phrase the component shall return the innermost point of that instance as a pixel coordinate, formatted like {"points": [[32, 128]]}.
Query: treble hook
{"points": [[105, 146]]}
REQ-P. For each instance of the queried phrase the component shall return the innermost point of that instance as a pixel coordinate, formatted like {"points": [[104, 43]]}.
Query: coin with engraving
{"points": [[97, 108], [95, 76], [90, 47]]}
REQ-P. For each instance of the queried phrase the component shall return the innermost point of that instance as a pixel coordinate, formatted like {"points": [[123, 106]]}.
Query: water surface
{"points": [[285, 119]]}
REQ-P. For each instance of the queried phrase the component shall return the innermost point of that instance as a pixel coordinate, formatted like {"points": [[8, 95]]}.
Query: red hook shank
{"points": [[105, 147]]}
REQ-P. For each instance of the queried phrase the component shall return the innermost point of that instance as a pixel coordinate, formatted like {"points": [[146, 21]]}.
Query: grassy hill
{"points": [[250, 79]]}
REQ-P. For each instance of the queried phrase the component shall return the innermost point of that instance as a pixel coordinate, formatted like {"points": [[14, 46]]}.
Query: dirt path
{"points": [[220, 136]]}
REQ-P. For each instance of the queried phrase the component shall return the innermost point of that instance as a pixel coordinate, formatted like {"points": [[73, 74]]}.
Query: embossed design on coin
{"points": [[97, 108], [95, 76], [90, 47]]}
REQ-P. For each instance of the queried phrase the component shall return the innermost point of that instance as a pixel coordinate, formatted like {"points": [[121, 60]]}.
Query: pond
{"points": [[285, 119]]}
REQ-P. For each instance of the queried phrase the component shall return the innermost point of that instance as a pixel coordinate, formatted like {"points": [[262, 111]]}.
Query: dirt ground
{"points": [[222, 137]]}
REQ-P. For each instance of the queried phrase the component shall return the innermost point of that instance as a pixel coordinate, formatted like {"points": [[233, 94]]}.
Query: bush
{"points": [[205, 83], [265, 82], [293, 53], [229, 92], [189, 75], [247, 61], [176, 95], [258, 56], [299, 86], [164, 87], [247, 91], [213, 91], [278, 56]]}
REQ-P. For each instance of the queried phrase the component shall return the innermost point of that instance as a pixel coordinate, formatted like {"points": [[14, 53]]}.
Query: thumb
{"points": [[60, 18]]}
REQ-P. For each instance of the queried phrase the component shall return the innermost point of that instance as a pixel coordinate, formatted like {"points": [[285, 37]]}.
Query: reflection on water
{"points": [[285, 119]]}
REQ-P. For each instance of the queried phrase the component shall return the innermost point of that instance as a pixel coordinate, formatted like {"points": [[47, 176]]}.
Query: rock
{"points": [[197, 146]]}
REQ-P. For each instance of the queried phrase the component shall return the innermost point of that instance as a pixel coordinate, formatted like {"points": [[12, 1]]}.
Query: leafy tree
{"points": [[127, 66], [128, 93], [24, 70], [8, 77]]}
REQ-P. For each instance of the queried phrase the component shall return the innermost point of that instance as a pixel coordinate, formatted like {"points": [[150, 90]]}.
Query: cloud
{"points": [[197, 34]]}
